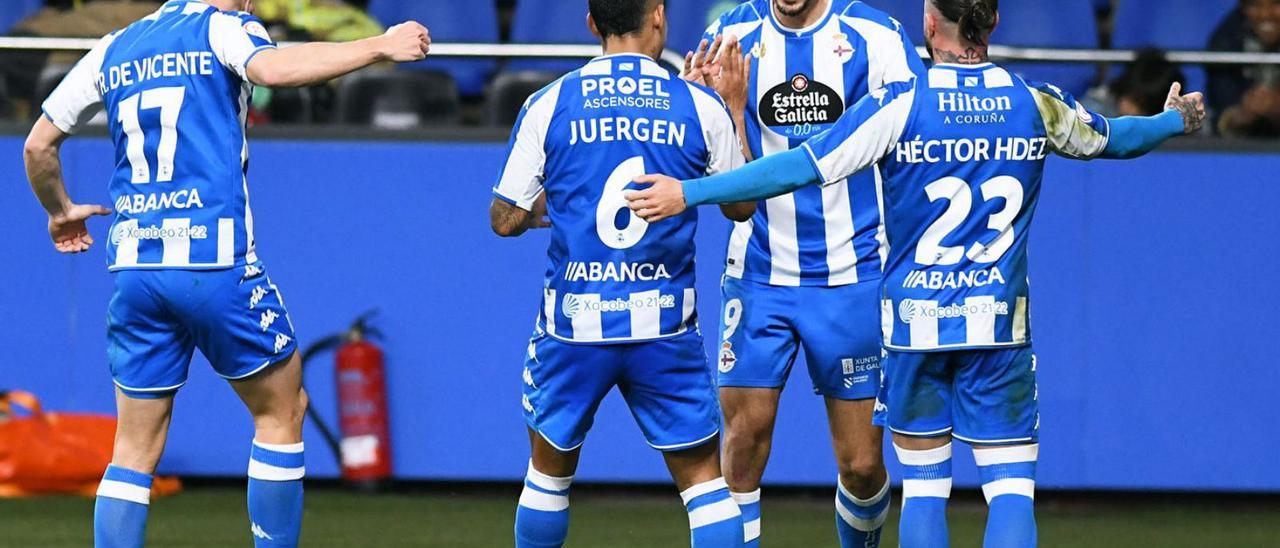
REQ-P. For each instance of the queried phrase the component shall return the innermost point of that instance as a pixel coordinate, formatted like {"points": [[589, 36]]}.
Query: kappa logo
{"points": [[269, 317], [528, 379], [259, 532], [255, 299], [282, 341]]}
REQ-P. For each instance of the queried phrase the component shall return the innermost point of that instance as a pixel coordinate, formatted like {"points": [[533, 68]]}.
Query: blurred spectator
{"points": [[1247, 99], [1144, 86], [323, 20]]}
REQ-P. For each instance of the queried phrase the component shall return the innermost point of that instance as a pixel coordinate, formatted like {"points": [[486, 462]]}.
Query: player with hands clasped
{"points": [[962, 151], [802, 269], [176, 86]]}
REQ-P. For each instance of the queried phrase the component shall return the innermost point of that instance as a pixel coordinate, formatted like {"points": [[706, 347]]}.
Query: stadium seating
{"points": [[17, 10], [1136, 27], [509, 91], [406, 99], [548, 22], [449, 21], [909, 13], [50, 76], [1056, 24]]}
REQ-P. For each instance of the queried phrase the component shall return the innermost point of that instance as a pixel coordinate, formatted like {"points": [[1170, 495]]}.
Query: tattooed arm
{"points": [[510, 221], [1134, 136]]}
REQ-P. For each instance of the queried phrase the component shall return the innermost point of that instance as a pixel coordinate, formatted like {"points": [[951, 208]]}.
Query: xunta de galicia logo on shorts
{"points": [[800, 107]]}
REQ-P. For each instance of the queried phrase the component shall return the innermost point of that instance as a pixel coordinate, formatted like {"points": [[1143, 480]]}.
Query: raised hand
{"points": [[703, 66], [1191, 106], [663, 199], [406, 42], [735, 74], [68, 230]]}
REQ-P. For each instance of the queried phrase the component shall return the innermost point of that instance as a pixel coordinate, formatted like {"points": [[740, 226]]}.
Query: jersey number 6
{"points": [[613, 203], [930, 250]]}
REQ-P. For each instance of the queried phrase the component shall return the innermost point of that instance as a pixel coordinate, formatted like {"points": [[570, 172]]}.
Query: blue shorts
{"points": [[978, 396], [763, 327], [158, 317], [666, 383]]}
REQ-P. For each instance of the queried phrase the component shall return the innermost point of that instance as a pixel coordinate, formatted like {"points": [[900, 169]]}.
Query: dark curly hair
{"points": [[975, 17], [620, 17]]}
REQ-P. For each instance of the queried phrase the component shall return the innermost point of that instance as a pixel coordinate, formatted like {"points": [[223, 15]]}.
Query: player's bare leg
{"points": [[278, 403], [120, 513], [1008, 475], [542, 519], [141, 431], [926, 486], [749, 417], [714, 517], [862, 497]]}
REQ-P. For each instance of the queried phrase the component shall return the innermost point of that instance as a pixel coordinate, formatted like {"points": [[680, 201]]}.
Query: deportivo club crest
{"points": [[727, 358]]}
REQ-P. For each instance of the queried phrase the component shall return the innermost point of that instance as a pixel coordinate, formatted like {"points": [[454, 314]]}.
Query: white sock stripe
{"points": [[113, 489], [290, 448], [925, 457], [550, 483], [940, 488], [861, 524], [747, 498], [874, 500], [751, 530], [1010, 486], [537, 500], [1007, 455], [264, 471], [715, 512], [702, 489]]}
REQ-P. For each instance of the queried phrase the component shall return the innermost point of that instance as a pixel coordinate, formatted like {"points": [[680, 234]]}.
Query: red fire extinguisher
{"points": [[362, 409]]}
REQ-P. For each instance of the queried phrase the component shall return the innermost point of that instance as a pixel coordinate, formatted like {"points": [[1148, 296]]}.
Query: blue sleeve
{"points": [[1133, 136], [767, 177]]}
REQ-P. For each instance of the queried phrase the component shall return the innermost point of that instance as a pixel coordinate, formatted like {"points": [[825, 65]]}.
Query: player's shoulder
{"points": [[1046, 91], [702, 94], [854, 11], [751, 13], [550, 92]]}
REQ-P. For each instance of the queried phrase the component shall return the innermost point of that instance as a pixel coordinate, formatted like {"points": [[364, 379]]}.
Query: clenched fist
{"points": [[406, 42]]}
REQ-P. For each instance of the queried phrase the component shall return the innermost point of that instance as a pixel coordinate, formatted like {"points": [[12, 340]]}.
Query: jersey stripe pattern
{"points": [[175, 91], [612, 277], [962, 151], [801, 82]]}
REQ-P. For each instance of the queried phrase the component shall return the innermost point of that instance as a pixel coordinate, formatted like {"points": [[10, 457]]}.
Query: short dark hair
{"points": [[975, 17], [1147, 81], [619, 17]]}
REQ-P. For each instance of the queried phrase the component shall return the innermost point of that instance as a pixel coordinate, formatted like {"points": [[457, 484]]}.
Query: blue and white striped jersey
{"points": [[176, 96], [612, 276], [962, 152], [802, 80]]}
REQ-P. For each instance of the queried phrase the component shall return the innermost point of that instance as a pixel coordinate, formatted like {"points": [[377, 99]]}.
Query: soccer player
{"points": [[175, 86], [962, 151], [804, 270], [618, 305]]}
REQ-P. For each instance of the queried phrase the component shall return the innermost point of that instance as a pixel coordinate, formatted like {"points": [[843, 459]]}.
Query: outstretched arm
{"points": [[318, 62], [44, 172], [1133, 136], [767, 177]]}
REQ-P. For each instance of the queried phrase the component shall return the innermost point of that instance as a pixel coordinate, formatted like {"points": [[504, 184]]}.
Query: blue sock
{"points": [[275, 494], [749, 505], [1009, 482], [542, 519], [714, 518], [120, 513], [926, 486], [858, 521]]}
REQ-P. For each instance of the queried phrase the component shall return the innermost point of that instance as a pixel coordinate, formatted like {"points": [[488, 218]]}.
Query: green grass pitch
{"points": [[214, 516]]}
